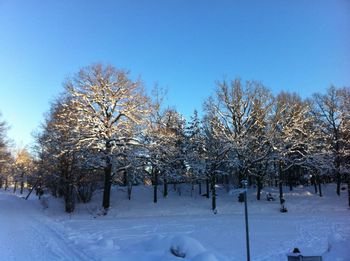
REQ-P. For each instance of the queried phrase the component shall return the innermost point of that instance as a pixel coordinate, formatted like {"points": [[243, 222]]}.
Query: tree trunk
{"points": [[0, 183], [107, 185], [315, 187], [275, 171], [108, 177], [69, 198], [129, 190], [22, 183], [319, 186], [125, 178], [15, 187], [213, 193], [207, 187], [280, 184], [290, 178], [155, 187], [6, 184], [338, 182], [281, 191], [165, 192], [313, 181], [259, 187], [240, 178], [200, 187]]}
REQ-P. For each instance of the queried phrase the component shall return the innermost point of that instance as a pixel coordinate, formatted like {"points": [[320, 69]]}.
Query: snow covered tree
{"points": [[216, 153], [242, 110], [109, 105], [154, 142], [59, 151], [287, 124], [195, 150], [257, 140], [327, 108], [3, 140], [23, 166], [131, 167], [174, 133], [165, 145], [6, 158], [292, 134], [344, 94]]}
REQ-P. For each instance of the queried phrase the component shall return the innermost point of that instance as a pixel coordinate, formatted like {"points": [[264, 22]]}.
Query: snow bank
{"points": [[168, 248]]}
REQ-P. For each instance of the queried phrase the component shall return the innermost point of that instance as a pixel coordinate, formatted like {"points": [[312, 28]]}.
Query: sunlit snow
{"points": [[177, 225]]}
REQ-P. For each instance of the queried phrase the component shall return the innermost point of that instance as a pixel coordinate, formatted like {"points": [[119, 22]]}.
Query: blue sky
{"points": [[183, 45]]}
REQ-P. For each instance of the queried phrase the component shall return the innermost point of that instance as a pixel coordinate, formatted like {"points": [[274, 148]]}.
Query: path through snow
{"points": [[27, 234]]}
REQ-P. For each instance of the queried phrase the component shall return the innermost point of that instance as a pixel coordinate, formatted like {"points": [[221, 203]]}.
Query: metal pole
{"points": [[246, 219]]}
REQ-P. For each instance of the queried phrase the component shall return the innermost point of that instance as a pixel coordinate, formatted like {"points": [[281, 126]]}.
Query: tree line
{"points": [[104, 129]]}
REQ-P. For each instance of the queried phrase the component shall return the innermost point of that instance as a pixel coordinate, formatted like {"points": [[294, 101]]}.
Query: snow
{"points": [[27, 234], [184, 225]]}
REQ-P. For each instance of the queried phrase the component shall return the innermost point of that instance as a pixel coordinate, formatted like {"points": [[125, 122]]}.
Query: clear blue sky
{"points": [[184, 45]]}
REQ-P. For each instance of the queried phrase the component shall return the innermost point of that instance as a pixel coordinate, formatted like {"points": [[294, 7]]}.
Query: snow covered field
{"points": [[141, 230]]}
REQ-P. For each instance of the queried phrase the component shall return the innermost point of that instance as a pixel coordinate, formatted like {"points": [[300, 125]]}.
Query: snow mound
{"points": [[184, 246], [169, 248]]}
